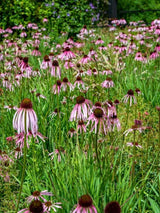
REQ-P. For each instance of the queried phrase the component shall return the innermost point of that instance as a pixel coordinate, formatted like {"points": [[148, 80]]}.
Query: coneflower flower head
{"points": [[85, 204], [98, 113], [80, 100], [26, 104], [55, 63], [25, 118], [48, 206], [46, 58], [36, 206], [57, 87], [107, 83], [138, 91], [85, 201], [112, 207], [130, 96], [81, 109], [116, 102], [98, 120], [130, 92], [36, 195]]}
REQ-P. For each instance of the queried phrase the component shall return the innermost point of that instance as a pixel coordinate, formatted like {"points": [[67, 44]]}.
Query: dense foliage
{"points": [[140, 5], [68, 15]]}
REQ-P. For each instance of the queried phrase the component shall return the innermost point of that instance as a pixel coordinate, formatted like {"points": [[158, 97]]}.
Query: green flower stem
{"points": [[159, 130], [96, 148], [24, 165], [134, 153]]}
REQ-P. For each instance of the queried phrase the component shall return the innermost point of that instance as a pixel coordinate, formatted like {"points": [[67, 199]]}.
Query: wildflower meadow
{"points": [[80, 119]]}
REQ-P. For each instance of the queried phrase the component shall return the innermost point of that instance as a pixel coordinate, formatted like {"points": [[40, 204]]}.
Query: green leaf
{"points": [[155, 207]]}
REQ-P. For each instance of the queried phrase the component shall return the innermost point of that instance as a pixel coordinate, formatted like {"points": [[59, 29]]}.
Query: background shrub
{"points": [[128, 5], [66, 15]]}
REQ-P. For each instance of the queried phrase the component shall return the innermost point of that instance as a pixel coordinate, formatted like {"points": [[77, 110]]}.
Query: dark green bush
{"points": [[66, 15], [130, 5]]}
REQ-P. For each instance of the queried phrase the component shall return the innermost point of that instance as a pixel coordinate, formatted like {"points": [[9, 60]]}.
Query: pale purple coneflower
{"points": [[133, 129], [10, 107], [111, 108], [85, 59], [99, 41], [36, 52], [55, 112], [138, 91], [51, 55], [79, 44], [130, 96], [64, 101], [67, 54], [81, 126], [18, 152], [157, 48], [110, 44], [102, 48], [36, 206], [139, 56], [48, 206], [7, 84], [84, 30], [38, 95], [27, 72], [67, 45], [57, 152], [70, 40], [98, 121], [36, 73], [36, 43], [68, 64], [23, 34], [108, 83], [45, 20], [25, 118], [116, 102], [16, 82], [154, 55], [36, 195], [94, 72], [65, 84], [106, 72], [114, 123], [46, 62], [72, 132], [24, 63], [134, 144], [142, 41], [81, 73], [79, 83], [19, 75], [81, 110], [85, 205], [55, 69], [57, 87], [92, 53]]}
